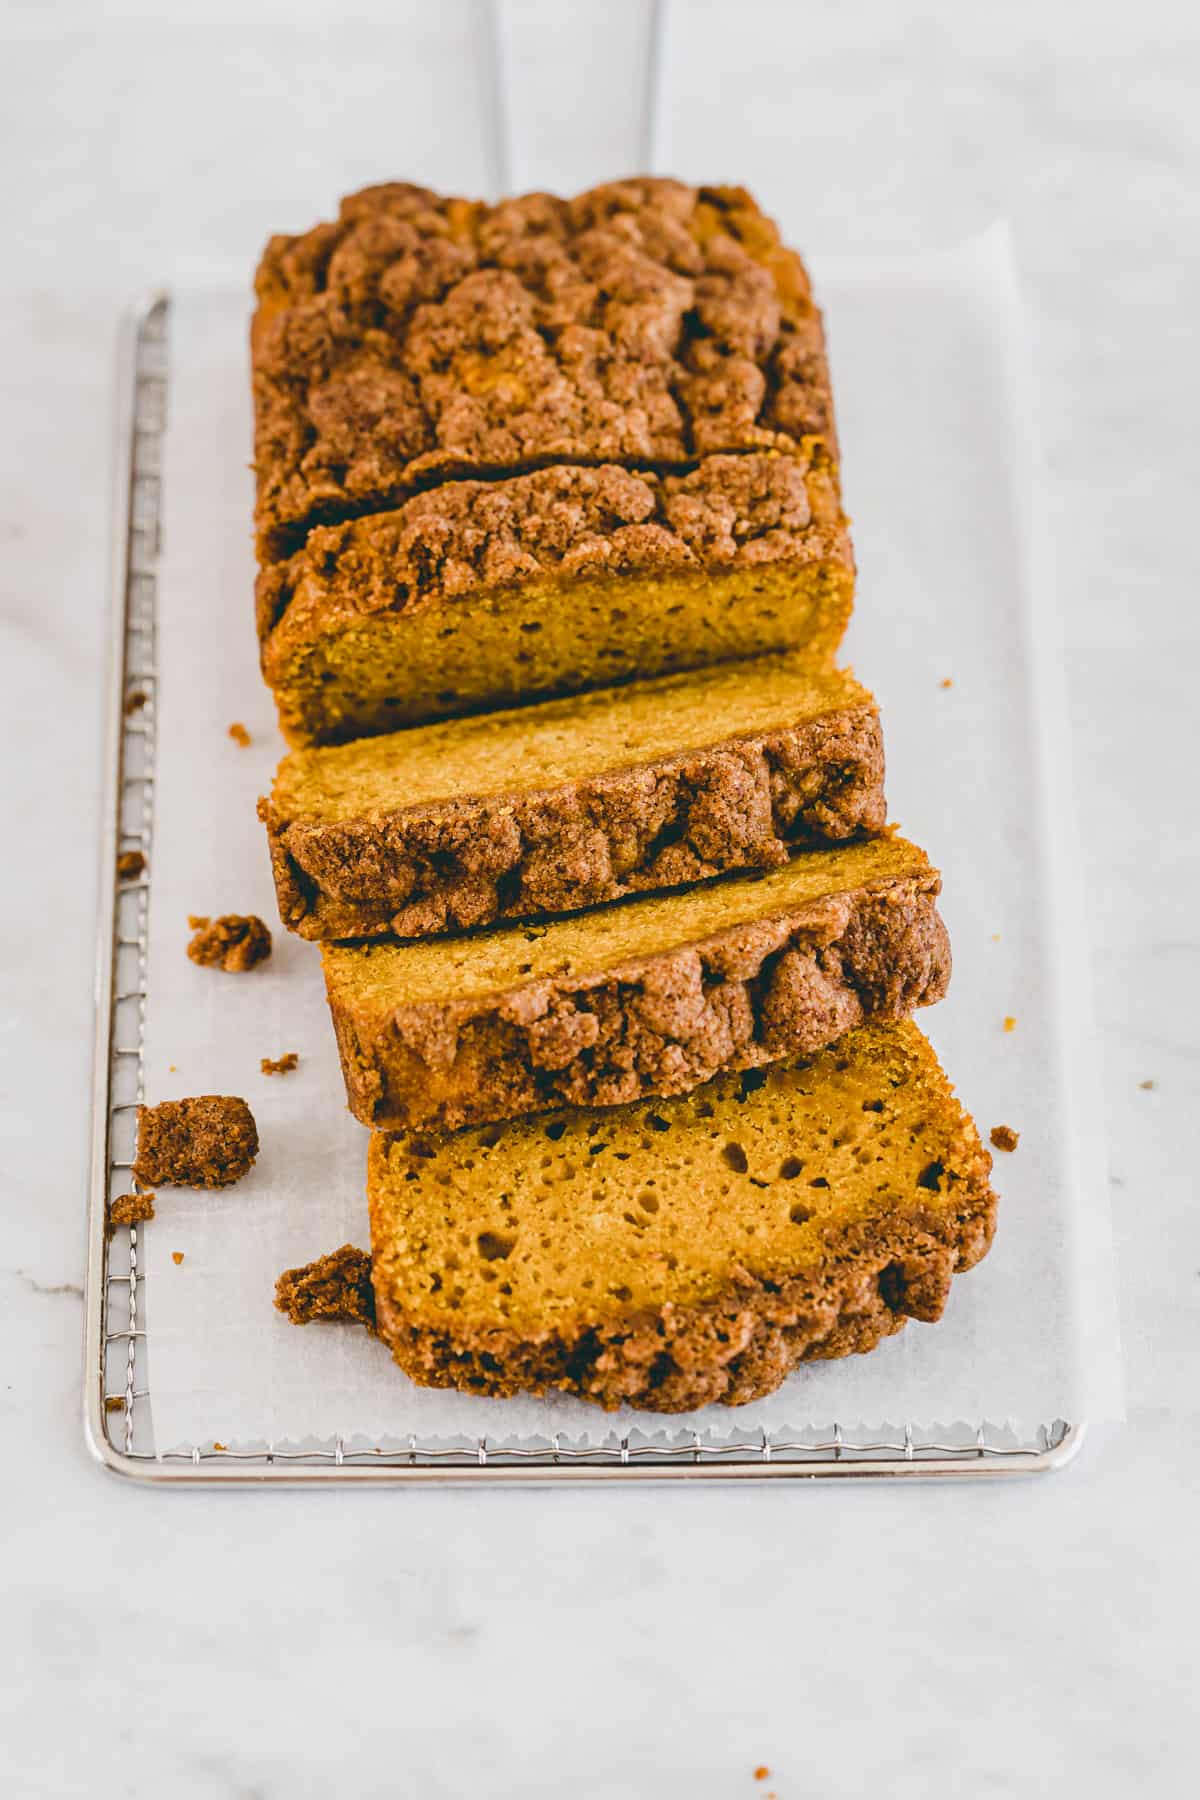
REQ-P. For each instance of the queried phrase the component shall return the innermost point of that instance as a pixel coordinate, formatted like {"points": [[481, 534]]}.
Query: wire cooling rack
{"points": [[118, 1387]]}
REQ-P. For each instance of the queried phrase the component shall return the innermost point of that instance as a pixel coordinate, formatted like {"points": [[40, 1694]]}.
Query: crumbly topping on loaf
{"points": [[419, 337], [207, 1141], [471, 536], [337, 1286], [234, 942]]}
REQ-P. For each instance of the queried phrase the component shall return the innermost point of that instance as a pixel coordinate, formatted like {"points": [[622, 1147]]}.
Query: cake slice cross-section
{"points": [[552, 808], [695, 1250], [479, 595], [648, 996]]}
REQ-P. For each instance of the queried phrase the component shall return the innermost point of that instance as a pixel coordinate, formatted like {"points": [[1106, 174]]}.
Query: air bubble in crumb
{"points": [[240, 735]]}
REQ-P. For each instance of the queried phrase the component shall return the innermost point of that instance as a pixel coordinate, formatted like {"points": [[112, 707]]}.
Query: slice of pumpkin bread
{"points": [[420, 338], [557, 807], [649, 996], [692, 1251], [480, 595]]}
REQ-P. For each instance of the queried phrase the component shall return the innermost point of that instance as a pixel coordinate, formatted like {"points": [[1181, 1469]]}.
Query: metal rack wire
{"points": [[118, 1388]]}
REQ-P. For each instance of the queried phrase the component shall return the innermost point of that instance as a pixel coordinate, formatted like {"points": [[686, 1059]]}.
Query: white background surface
{"points": [[1013, 1639]]}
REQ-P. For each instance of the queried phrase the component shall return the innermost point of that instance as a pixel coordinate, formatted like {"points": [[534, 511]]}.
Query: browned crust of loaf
{"points": [[659, 1024], [421, 338], [734, 1347], [470, 538], [740, 803], [206, 1141]]}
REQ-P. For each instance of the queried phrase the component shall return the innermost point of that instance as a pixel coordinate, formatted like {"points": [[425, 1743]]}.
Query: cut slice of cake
{"points": [[649, 996], [420, 338], [479, 595], [692, 1251], [557, 807]]}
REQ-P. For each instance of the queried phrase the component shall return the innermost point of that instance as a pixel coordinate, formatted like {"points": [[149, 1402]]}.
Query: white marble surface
{"points": [[1009, 1639]]}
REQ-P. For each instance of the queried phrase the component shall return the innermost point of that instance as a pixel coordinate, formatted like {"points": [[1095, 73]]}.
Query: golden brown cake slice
{"points": [[649, 996], [481, 594], [689, 1251], [557, 807], [420, 338]]}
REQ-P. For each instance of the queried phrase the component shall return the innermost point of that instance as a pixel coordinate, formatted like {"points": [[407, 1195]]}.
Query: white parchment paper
{"points": [[938, 477]]}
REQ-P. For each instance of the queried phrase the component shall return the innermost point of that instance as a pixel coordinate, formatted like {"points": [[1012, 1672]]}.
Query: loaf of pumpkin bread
{"points": [[693, 1250], [551, 808], [648, 996]]}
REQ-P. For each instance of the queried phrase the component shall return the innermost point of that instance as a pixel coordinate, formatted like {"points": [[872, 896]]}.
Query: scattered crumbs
{"points": [[129, 1209], [114, 1403], [1010, 1024], [206, 1141], [217, 1446], [280, 1065], [171, 1069], [240, 735], [130, 864], [1146, 1086], [177, 1257], [134, 701], [761, 1773], [337, 1286], [947, 682], [235, 942], [1004, 1137], [995, 937]]}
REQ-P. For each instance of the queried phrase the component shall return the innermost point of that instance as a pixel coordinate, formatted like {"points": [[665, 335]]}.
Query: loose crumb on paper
{"points": [[205, 1141], [1146, 1086], [130, 865], [947, 682], [761, 1773], [240, 735], [217, 1446], [1004, 1137], [280, 1065], [337, 1286], [235, 942], [1010, 1024], [177, 1257], [134, 701], [114, 1403]]}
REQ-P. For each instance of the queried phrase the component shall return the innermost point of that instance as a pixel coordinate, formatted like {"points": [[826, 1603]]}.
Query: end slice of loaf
{"points": [[552, 808], [693, 1250], [651, 996]]}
